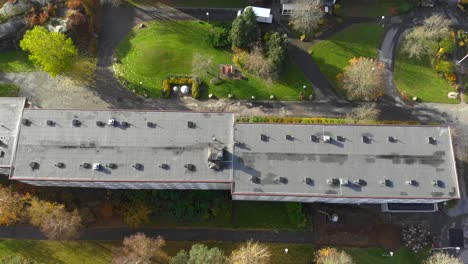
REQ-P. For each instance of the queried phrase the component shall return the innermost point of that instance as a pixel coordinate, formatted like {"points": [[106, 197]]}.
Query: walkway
{"points": [[172, 234]]}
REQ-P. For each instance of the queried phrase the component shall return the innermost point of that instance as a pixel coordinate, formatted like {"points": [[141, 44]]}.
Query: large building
{"points": [[121, 149]]}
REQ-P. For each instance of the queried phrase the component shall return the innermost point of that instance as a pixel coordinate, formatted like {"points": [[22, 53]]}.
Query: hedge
{"points": [[172, 80], [316, 120]]}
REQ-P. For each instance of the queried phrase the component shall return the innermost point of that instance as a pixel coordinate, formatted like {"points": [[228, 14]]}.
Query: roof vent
{"points": [[26, 122], [385, 183], [2, 153], [255, 179], [392, 139], [96, 166], [34, 165], [191, 124], [138, 166], [344, 182], [112, 165], [111, 122], [432, 140], [86, 165], [308, 181], [314, 138], [190, 167], [410, 182], [360, 182], [164, 166], [264, 137], [150, 124], [436, 183], [60, 165], [100, 123], [340, 138], [124, 124], [327, 139], [50, 123], [332, 182], [281, 180], [289, 137], [366, 139], [76, 122]]}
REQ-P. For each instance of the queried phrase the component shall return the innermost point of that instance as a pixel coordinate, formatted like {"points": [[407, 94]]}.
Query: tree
{"points": [[219, 37], [141, 249], [199, 254], [244, 29], [135, 214], [364, 112], [52, 51], [256, 63], [443, 258], [363, 79], [201, 65], [307, 17], [181, 258], [423, 40], [276, 46], [332, 256], [11, 206], [251, 253], [54, 220]]}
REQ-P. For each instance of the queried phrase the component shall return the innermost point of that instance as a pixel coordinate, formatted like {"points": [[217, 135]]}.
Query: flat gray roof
{"points": [[281, 165], [10, 113], [168, 141]]}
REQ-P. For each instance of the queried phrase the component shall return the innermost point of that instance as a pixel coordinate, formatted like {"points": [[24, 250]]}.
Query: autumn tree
{"points": [[141, 249], [307, 17], [443, 258], [332, 256], [11, 206], [52, 51], [363, 79], [250, 253], [244, 29], [54, 220], [256, 63], [423, 40], [201, 64], [363, 113]]}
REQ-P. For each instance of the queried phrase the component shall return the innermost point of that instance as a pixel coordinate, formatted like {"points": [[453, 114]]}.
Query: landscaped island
{"points": [[148, 55]]}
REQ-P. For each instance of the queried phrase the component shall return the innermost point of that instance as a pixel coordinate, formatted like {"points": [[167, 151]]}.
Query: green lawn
{"points": [[416, 77], [333, 55], [8, 90], [101, 252], [148, 55], [15, 61], [372, 8]]}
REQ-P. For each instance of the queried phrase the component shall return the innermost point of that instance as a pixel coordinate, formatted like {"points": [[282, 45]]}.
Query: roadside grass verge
{"points": [[8, 90], [15, 61]]}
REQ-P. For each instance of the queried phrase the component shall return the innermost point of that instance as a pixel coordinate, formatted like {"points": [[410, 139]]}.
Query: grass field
{"points": [[416, 77], [101, 252], [148, 55], [15, 61], [372, 8], [333, 55], [8, 90]]}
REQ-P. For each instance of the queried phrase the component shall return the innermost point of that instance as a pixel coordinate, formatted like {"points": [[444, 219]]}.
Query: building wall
{"points": [[331, 200], [133, 185]]}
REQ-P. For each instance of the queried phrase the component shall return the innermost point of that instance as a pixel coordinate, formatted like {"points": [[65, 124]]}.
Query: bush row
{"points": [[314, 120], [178, 80]]}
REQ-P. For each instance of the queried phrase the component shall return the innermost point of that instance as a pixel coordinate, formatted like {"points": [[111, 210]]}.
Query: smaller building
{"points": [[263, 14]]}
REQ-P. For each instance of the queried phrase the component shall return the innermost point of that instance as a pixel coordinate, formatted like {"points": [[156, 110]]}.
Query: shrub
{"points": [[296, 215], [447, 44], [181, 80], [219, 37], [444, 67], [195, 89], [239, 58], [166, 88]]}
